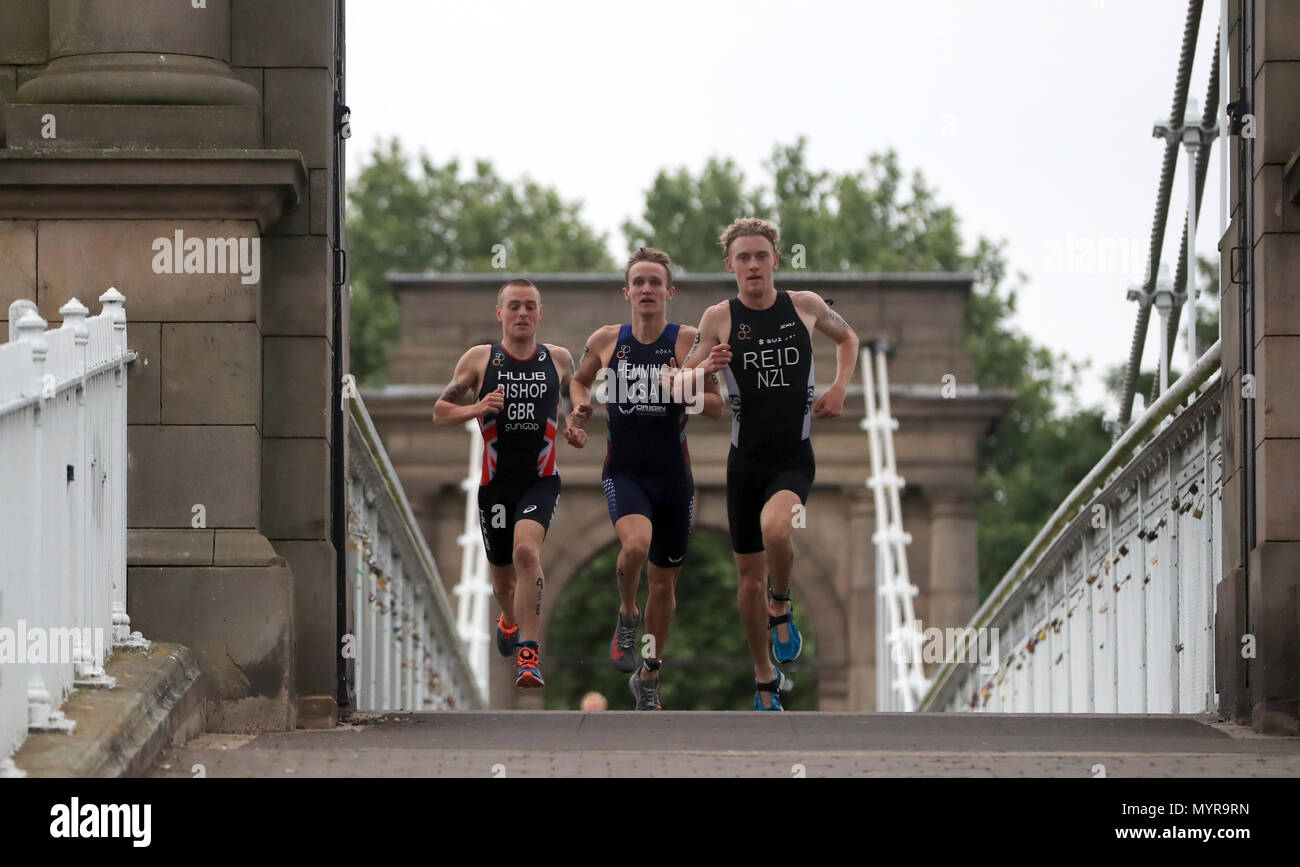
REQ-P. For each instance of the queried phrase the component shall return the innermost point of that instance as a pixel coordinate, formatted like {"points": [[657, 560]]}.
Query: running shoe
{"points": [[506, 641], [622, 648], [528, 670], [646, 692], [788, 650], [775, 686]]}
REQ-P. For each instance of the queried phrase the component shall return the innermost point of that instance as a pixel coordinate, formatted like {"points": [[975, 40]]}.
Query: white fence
{"points": [[62, 510], [402, 644], [1111, 608]]}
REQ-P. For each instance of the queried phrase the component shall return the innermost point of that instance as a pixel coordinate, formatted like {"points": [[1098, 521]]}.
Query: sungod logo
{"points": [[103, 820], [181, 255]]}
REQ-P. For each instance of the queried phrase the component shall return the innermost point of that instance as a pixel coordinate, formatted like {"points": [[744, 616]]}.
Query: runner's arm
{"points": [[574, 435], [830, 323], [456, 405], [705, 384], [585, 376]]}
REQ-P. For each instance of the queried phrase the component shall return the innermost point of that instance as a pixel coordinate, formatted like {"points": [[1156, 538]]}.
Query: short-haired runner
{"points": [[647, 471], [762, 339], [518, 383]]}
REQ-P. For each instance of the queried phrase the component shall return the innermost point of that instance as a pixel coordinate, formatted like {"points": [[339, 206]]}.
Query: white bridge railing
{"points": [[402, 645], [62, 512], [1111, 608]]}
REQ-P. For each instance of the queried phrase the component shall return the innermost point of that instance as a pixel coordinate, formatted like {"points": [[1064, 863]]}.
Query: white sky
{"points": [[1031, 118]]}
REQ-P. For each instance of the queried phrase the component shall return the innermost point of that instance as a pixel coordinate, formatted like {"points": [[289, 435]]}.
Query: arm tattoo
{"points": [[586, 350], [839, 320], [455, 391], [694, 346]]}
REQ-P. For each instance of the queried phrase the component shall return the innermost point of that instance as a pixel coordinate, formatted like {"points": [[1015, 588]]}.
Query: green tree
{"points": [[437, 217]]}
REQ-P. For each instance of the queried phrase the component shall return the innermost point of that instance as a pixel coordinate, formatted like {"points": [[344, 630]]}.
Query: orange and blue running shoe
{"points": [[506, 639], [528, 670]]}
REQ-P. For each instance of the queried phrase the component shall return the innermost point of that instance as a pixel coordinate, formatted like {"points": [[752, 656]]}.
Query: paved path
{"points": [[681, 744]]}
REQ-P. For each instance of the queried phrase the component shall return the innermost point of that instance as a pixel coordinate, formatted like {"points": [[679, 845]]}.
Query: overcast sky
{"points": [[1032, 119]]}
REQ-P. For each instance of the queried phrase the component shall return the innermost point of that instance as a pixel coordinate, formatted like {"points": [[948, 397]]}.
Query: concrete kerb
{"points": [[158, 702]]}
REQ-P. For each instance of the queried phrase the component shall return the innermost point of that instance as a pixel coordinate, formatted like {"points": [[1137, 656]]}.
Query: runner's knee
{"points": [[636, 549], [777, 529], [526, 555]]}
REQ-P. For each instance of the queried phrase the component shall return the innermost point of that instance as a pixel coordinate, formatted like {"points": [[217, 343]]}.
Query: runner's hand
{"points": [[830, 404], [719, 357], [576, 436], [578, 416], [492, 403]]}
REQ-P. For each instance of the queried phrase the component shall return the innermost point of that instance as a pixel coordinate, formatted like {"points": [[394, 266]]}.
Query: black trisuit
{"points": [[647, 464], [770, 383], [519, 478]]}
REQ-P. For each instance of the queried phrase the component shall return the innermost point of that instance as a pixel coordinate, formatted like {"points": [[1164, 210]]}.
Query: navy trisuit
{"points": [[647, 464]]}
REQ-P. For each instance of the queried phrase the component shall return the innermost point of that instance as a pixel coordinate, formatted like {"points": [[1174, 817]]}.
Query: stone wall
{"points": [[215, 122], [1259, 593]]}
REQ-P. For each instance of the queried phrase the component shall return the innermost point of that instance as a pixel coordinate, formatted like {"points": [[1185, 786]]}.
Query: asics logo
{"points": [[529, 509]]}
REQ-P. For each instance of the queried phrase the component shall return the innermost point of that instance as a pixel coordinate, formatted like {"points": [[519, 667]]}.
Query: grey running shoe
{"points": [[646, 692], [622, 648]]}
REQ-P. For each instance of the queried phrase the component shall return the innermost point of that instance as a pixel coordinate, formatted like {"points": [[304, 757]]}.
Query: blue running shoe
{"points": [[528, 671], [506, 641], [788, 650], [775, 686]]}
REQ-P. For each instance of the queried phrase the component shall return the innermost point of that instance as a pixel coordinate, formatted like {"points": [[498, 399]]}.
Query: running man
{"points": [[647, 471], [762, 339], [518, 383]]}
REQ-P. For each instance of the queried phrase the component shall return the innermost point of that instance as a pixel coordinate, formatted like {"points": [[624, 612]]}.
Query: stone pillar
{"points": [[1260, 592], [156, 76], [954, 557], [138, 138], [862, 601]]}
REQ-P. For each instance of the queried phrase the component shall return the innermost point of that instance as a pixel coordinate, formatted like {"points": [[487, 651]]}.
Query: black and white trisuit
{"points": [[770, 383]]}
